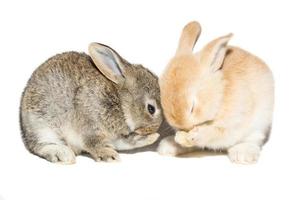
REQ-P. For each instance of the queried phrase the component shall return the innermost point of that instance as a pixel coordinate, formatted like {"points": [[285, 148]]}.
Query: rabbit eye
{"points": [[151, 109]]}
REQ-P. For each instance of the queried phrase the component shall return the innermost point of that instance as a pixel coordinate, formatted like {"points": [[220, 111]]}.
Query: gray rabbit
{"points": [[97, 104]]}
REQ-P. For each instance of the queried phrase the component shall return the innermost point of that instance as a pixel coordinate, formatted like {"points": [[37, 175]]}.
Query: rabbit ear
{"points": [[213, 54], [188, 38], [107, 61]]}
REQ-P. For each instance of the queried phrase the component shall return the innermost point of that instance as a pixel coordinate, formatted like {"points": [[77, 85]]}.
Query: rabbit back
{"points": [[55, 98]]}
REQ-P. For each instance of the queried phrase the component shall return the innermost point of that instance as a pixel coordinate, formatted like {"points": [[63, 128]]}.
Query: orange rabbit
{"points": [[218, 98]]}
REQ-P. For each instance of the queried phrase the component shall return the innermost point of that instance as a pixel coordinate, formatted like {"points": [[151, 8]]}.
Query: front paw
{"points": [[146, 140], [168, 147], [244, 153], [185, 139], [199, 136], [58, 154], [106, 154]]}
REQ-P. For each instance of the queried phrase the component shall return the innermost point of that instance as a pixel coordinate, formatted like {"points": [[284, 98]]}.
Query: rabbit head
{"points": [[137, 88], [192, 84]]}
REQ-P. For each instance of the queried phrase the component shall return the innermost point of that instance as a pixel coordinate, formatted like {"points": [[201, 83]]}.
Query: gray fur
{"points": [[69, 91]]}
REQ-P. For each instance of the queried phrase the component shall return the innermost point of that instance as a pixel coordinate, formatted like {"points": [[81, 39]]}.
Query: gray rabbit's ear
{"points": [[107, 61]]}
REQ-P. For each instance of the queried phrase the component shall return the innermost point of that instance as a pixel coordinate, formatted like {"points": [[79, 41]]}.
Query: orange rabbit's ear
{"points": [[188, 38], [213, 54]]}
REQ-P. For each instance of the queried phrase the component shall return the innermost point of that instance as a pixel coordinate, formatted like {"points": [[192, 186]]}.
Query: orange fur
{"points": [[221, 84]]}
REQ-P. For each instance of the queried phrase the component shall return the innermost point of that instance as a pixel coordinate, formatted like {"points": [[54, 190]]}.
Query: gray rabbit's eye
{"points": [[151, 109]]}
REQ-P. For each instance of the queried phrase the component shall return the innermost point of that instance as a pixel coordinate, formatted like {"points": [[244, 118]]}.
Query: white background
{"points": [[147, 33]]}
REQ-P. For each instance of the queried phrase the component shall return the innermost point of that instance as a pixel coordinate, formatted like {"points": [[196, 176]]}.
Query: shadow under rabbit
{"points": [[166, 130]]}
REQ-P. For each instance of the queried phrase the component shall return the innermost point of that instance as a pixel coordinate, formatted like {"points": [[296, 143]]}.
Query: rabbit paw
{"points": [[187, 139], [58, 154], [106, 154], [145, 140], [199, 136], [168, 147], [244, 153]]}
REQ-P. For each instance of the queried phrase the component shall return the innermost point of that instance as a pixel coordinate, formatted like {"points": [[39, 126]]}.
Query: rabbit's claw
{"points": [[106, 154]]}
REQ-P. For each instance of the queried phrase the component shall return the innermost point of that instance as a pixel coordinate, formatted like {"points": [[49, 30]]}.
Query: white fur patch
{"points": [[121, 144], [168, 147], [47, 135], [43, 132], [129, 121], [73, 138]]}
